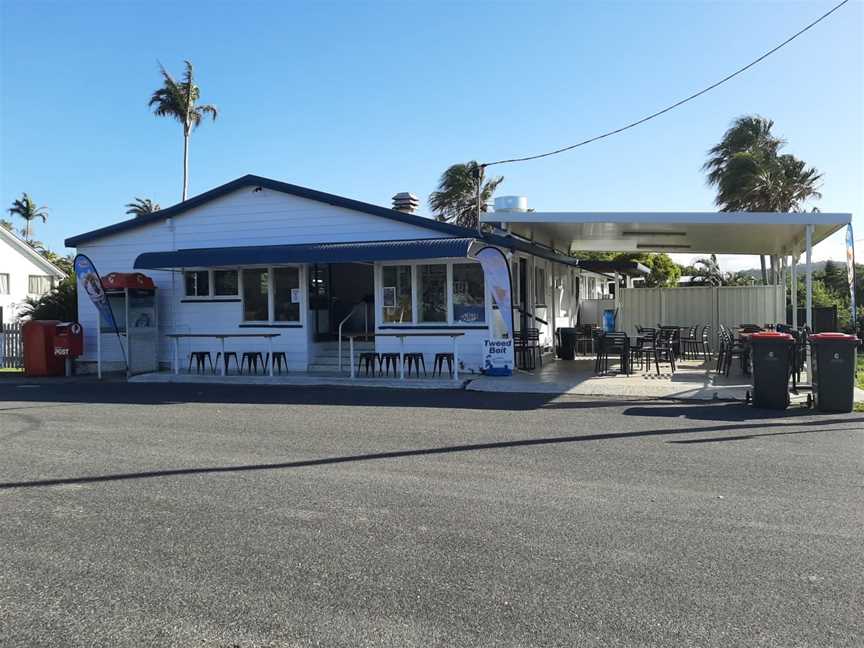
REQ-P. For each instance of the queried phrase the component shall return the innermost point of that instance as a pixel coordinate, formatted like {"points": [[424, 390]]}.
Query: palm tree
{"points": [[456, 198], [707, 270], [27, 209], [750, 175], [141, 207], [179, 100]]}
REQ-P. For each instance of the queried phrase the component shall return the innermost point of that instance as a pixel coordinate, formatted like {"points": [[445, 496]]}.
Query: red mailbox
{"points": [[68, 340], [39, 358], [49, 346]]}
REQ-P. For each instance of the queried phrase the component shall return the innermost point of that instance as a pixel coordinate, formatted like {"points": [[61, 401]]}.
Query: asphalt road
{"points": [[181, 515]]}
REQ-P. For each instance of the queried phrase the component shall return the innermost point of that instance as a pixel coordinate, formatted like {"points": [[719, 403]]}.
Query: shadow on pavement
{"points": [[471, 447]]}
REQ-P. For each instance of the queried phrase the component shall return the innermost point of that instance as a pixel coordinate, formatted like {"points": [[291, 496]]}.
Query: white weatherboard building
{"points": [[261, 256], [23, 273]]}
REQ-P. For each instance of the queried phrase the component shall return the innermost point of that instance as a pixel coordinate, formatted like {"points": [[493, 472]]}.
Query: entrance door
{"points": [[336, 291]]}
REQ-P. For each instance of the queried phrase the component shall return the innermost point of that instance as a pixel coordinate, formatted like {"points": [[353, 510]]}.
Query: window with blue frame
{"points": [[469, 293]]}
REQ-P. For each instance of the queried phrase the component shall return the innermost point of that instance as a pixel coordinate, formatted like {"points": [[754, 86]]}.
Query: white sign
{"points": [[497, 357], [295, 295]]}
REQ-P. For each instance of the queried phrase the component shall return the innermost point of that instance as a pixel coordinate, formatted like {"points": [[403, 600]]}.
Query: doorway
{"points": [[337, 289]]}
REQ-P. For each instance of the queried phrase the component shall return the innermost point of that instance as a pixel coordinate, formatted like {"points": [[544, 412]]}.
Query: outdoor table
{"points": [[454, 337], [221, 337]]}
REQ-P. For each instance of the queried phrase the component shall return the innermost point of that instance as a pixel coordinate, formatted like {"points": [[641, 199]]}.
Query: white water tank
{"points": [[511, 204]]}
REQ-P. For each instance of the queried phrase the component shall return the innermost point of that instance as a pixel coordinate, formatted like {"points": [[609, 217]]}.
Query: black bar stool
{"points": [[251, 359], [416, 359], [386, 359], [199, 357], [370, 358], [280, 360], [438, 364], [228, 356]]}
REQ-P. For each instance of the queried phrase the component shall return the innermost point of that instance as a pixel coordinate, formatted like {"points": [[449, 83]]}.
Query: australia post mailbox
{"points": [[68, 340]]}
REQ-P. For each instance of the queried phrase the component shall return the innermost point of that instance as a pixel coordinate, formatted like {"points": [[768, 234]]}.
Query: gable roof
{"points": [[275, 185], [25, 249]]}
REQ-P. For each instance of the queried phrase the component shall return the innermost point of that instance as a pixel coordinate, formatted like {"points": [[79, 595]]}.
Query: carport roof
{"points": [[697, 232]]}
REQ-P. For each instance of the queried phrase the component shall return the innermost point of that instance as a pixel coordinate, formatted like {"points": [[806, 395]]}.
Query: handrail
{"points": [[532, 315], [347, 317]]}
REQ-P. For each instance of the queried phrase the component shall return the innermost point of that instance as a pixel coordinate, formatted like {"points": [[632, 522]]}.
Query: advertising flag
{"points": [[850, 271], [498, 348], [92, 283]]}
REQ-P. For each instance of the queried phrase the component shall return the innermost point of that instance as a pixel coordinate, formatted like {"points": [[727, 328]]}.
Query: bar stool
{"points": [[416, 359], [438, 364], [228, 356], [370, 358], [386, 359], [250, 359], [199, 357], [280, 359]]}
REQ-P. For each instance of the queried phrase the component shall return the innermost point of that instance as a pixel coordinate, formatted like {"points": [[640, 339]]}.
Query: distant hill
{"points": [[818, 266]]}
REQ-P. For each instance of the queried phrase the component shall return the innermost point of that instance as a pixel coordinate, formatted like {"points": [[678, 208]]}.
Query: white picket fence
{"points": [[11, 347], [728, 305]]}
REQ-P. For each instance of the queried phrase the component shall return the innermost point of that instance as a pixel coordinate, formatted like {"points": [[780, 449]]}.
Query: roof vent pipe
{"points": [[406, 202], [511, 204]]}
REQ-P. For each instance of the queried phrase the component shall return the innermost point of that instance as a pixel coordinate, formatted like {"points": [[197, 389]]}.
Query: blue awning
{"points": [[436, 248]]}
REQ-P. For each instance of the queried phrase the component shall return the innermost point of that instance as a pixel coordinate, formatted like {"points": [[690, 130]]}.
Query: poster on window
{"points": [[498, 348], [389, 297]]}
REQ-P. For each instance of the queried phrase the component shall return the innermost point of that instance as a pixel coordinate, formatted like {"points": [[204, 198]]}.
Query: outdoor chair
{"points": [[438, 364], [527, 347], [199, 357], [415, 359], [690, 342], [661, 348], [705, 343], [585, 340], [729, 350], [614, 344]]}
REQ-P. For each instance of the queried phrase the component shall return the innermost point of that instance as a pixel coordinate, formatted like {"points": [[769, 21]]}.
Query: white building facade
{"points": [[261, 256], [24, 273]]}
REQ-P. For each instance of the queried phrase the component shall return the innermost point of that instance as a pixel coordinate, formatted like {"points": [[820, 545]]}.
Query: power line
{"points": [[676, 104]]}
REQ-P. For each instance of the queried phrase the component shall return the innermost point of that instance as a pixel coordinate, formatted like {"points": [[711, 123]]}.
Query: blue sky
{"points": [[368, 99]]}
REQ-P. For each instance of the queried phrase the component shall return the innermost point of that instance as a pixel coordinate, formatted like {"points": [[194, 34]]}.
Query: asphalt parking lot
{"points": [[182, 515]]}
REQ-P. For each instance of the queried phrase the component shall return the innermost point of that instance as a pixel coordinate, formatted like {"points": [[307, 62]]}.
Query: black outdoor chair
{"points": [[689, 342], [659, 349], [729, 350], [526, 347], [615, 345]]}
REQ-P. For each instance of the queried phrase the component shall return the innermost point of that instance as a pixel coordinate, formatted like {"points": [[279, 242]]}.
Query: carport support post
{"points": [[794, 295], [808, 242]]}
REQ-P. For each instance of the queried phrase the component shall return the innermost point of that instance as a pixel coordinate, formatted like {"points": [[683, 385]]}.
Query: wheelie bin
{"points": [[833, 359], [567, 343], [771, 353]]}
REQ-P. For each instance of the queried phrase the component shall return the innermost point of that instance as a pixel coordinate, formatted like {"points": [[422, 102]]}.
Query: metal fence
{"points": [[11, 346], [729, 305]]}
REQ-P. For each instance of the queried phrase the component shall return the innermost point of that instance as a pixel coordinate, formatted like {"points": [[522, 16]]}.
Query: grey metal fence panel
{"points": [[11, 347]]}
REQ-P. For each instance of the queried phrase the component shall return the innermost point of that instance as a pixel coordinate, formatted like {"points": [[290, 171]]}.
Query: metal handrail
{"points": [[347, 317], [531, 315]]}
